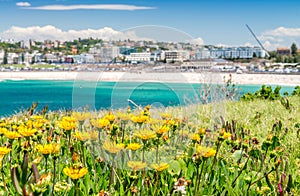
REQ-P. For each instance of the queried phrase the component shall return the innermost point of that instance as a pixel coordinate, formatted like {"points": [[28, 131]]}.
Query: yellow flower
{"points": [[38, 124], [163, 129], [93, 135], [3, 130], [160, 167], [226, 135], [140, 119], [165, 115], [4, 150], [184, 133], [67, 123], [112, 147], [136, 165], [100, 123], [169, 122], [2, 124], [75, 173], [12, 134], [38, 121], [202, 131], [48, 148], [195, 137], [123, 116], [145, 134], [37, 117], [110, 117], [26, 132], [82, 136], [133, 146], [81, 116], [205, 151]]}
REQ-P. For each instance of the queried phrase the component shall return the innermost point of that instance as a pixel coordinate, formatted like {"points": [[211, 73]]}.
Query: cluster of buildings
{"points": [[126, 52]]}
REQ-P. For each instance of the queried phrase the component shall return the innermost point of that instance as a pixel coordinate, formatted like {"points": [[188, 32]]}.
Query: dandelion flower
{"points": [[160, 167], [67, 123], [133, 146], [48, 148], [226, 135], [202, 131], [205, 151], [110, 117], [145, 134], [75, 173], [4, 150], [195, 137], [82, 136], [26, 132], [81, 116], [100, 123], [112, 147], [136, 165], [163, 129], [140, 119], [12, 135], [3, 130]]}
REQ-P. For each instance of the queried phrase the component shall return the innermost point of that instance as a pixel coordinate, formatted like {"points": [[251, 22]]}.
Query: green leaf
{"points": [[174, 168]]}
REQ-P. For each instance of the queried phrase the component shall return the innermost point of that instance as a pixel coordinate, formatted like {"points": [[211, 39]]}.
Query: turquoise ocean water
{"points": [[65, 95]]}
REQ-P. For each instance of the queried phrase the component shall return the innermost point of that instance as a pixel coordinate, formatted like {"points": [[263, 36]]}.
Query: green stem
{"points": [[76, 193], [241, 171], [200, 176], [197, 176], [54, 174], [157, 146], [3, 179], [46, 157]]}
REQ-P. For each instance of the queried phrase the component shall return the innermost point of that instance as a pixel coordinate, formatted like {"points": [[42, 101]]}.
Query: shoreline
{"points": [[172, 77]]}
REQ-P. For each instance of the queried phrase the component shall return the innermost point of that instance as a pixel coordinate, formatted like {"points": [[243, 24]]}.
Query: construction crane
{"points": [[267, 53]]}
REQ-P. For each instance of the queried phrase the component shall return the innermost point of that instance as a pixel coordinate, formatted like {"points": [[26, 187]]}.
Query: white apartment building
{"points": [[237, 52], [138, 57], [175, 55], [2, 53], [108, 53], [12, 58], [202, 53]]}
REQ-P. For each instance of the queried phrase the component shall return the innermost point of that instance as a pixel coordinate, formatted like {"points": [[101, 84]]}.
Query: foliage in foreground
{"points": [[152, 152]]}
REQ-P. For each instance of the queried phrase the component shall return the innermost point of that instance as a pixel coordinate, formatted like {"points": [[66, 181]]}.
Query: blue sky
{"points": [[211, 21]]}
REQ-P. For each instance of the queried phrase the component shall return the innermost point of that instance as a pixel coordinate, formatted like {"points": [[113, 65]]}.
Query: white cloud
{"points": [[50, 32], [41, 33], [23, 4], [280, 37], [198, 41], [91, 7], [248, 44], [283, 32]]}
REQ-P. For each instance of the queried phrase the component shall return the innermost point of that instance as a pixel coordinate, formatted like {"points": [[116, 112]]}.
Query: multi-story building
{"points": [[12, 58], [283, 51], [2, 53], [136, 57], [175, 55], [237, 52], [108, 53], [201, 53]]}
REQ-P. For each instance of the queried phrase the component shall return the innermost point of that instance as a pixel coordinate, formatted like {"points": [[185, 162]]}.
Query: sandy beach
{"points": [[268, 79]]}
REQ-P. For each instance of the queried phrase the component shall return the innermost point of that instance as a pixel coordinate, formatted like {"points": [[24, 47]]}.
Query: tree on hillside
{"points": [[294, 49], [5, 61]]}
